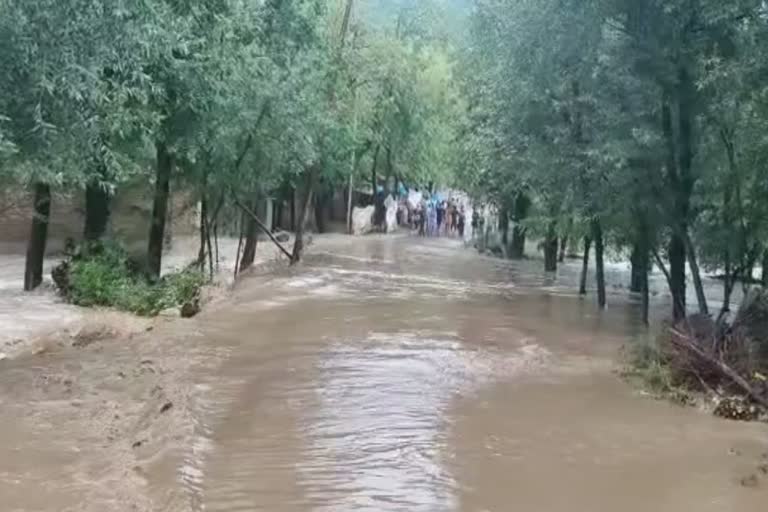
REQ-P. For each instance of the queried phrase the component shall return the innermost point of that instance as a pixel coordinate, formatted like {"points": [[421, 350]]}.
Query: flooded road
{"points": [[402, 375]]}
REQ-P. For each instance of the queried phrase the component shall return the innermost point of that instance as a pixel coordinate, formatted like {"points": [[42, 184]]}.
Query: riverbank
{"points": [[32, 321], [678, 372]]}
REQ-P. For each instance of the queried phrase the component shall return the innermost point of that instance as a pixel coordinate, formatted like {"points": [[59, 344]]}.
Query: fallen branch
{"points": [[261, 226], [717, 364]]}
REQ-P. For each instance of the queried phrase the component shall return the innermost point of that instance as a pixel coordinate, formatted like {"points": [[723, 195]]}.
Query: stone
{"points": [[190, 309]]}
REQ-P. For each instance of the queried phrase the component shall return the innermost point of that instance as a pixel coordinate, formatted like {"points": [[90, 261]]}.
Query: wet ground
{"points": [[385, 374], [28, 319]]}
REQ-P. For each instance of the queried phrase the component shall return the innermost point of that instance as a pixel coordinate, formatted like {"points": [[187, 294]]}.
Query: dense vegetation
{"points": [[636, 124], [234, 100], [633, 125], [100, 274]]}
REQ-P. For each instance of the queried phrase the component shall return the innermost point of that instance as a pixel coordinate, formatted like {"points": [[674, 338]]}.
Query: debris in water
{"points": [[750, 481], [734, 408], [90, 334], [138, 443], [190, 308], [166, 407]]}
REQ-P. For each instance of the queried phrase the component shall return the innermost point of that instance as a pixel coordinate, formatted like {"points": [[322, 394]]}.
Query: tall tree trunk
{"points": [[277, 214], [728, 223], [585, 265], [350, 191], [683, 182], [251, 239], [97, 208], [641, 265], [645, 293], [728, 284], [696, 274], [564, 241], [203, 252], [306, 209], [239, 252], [521, 207], [563, 249], [638, 270], [597, 235], [159, 210], [293, 209], [38, 237], [321, 208], [676, 251], [550, 249], [208, 223], [517, 250], [765, 268], [504, 229], [379, 214], [677, 276]]}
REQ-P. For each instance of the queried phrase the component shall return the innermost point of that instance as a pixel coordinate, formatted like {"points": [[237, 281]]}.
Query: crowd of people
{"points": [[434, 217]]}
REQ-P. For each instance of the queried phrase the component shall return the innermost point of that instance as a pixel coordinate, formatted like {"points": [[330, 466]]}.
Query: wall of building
{"points": [[129, 223]]}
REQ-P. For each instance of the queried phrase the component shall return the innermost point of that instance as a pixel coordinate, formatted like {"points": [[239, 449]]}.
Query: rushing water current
{"points": [[409, 375]]}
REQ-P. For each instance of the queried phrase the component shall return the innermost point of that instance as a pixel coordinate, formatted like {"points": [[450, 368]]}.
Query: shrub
{"points": [[649, 364], [104, 275]]}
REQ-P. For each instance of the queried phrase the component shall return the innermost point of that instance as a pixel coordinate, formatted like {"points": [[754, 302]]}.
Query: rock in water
{"points": [[60, 276], [191, 308]]}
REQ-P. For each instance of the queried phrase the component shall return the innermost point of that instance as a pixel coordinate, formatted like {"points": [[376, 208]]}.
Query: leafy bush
{"points": [[650, 366], [104, 275]]}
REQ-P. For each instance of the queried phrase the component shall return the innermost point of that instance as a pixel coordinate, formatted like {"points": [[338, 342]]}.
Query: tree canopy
{"points": [[636, 125]]}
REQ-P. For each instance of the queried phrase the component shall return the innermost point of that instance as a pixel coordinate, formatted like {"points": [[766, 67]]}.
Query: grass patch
{"points": [[651, 369], [104, 275]]}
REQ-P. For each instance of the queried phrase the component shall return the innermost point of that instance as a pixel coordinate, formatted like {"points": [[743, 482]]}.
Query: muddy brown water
{"points": [[408, 375]]}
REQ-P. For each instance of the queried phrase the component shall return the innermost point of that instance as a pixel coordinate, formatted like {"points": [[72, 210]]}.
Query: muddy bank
{"points": [[31, 319], [82, 417]]}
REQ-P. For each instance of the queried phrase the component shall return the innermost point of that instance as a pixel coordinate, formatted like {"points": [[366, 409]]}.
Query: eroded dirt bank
{"points": [[384, 374]]}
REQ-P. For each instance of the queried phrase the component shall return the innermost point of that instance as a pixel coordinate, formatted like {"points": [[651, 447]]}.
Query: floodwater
{"points": [[396, 374]]}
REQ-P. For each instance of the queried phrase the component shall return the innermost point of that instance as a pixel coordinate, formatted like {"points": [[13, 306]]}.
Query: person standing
{"points": [[440, 214], [431, 219], [455, 217]]}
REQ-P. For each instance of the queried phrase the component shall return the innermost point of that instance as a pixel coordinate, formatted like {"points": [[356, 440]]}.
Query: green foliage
{"points": [[651, 368], [104, 276], [568, 102]]}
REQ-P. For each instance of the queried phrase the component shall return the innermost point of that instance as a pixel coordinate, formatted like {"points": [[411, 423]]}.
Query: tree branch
{"points": [[260, 224]]}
